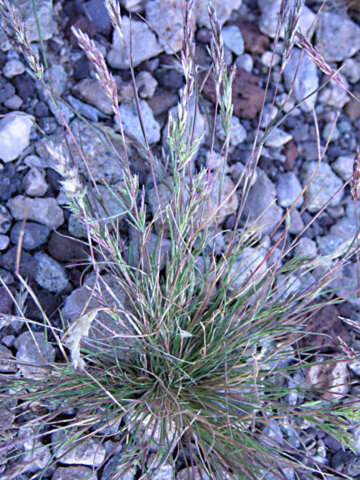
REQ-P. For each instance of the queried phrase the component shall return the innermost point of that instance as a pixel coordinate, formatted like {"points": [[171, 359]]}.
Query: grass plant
{"points": [[199, 347]]}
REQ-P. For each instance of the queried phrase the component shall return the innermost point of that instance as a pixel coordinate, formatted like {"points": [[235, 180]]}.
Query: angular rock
{"points": [[74, 473], [6, 365], [49, 273], [33, 349], [146, 84], [250, 259], [168, 27], [268, 22], [27, 263], [90, 91], [287, 189], [329, 379], [337, 37], [15, 131], [34, 234], [90, 452], [144, 44], [305, 248], [307, 79], [45, 14], [322, 187], [132, 126], [34, 183], [233, 39], [114, 468], [13, 67], [4, 242], [5, 219], [67, 249], [104, 328], [260, 206], [277, 138], [42, 210], [343, 166]]}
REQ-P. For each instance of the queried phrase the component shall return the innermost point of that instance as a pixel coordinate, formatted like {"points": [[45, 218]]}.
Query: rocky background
{"points": [[54, 256]]}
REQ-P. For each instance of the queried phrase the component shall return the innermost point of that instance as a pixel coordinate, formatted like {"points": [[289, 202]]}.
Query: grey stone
{"points": [[351, 69], [13, 103], [343, 166], [13, 67], [193, 473], [102, 158], [32, 349], [245, 61], [355, 367], [34, 234], [90, 452], [146, 84], [344, 228], [6, 365], [168, 27], [7, 418], [345, 282], [107, 203], [305, 248], [334, 95], [260, 204], [237, 131], [34, 183], [105, 329], [44, 10], [296, 222], [42, 210], [77, 227], [307, 79], [114, 467], [268, 21], [4, 242], [15, 131], [223, 10], [249, 260], [287, 189], [337, 37], [165, 472], [90, 91], [132, 126], [233, 39], [322, 186], [356, 437], [74, 473], [144, 44], [330, 133], [329, 243], [87, 111], [49, 273]]}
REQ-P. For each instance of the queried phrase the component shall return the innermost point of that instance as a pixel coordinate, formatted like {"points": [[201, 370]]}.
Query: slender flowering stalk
{"points": [[355, 196], [113, 8], [289, 17], [102, 74], [18, 35], [320, 62]]}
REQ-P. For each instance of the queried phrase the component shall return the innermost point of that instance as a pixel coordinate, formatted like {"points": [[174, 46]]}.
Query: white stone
{"points": [[90, 452], [42, 210], [144, 44], [13, 67], [233, 39], [34, 183], [277, 138], [131, 122], [15, 131], [167, 17]]}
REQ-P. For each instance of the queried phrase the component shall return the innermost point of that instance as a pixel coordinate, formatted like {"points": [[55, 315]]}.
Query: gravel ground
{"points": [[53, 244]]}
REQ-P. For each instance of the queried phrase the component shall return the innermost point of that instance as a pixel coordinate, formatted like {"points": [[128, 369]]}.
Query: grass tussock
{"points": [[182, 352]]}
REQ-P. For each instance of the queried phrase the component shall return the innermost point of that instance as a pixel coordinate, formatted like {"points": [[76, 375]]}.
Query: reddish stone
{"points": [[247, 96], [254, 41], [325, 327], [291, 154]]}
